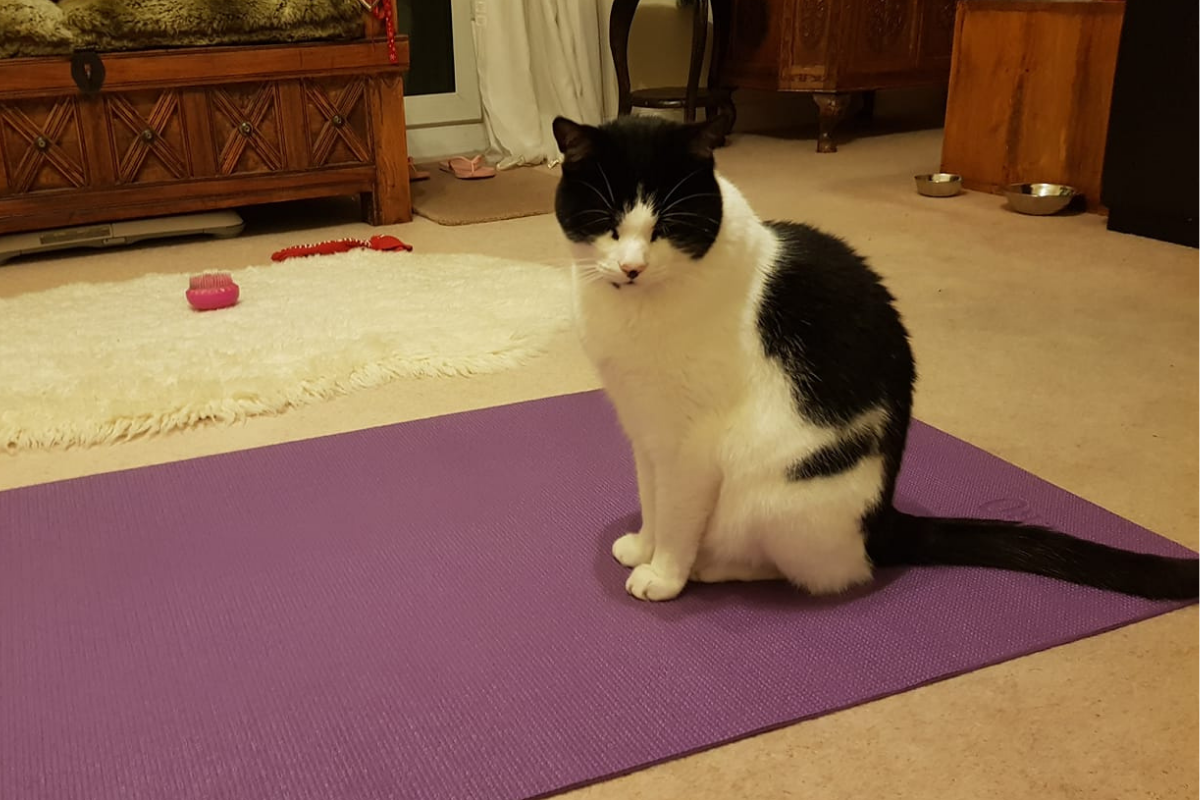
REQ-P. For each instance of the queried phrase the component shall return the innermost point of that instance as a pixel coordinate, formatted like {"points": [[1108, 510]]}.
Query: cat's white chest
{"points": [[634, 328], [668, 361]]}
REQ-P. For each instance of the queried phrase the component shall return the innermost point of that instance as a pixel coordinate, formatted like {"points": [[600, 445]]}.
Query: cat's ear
{"points": [[706, 136], [577, 142]]}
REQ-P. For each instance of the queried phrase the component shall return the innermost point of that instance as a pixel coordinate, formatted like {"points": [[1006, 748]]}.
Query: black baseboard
{"points": [[1152, 157], [1165, 228]]}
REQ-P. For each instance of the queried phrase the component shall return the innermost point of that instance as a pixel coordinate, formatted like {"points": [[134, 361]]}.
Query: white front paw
{"points": [[647, 583], [633, 549]]}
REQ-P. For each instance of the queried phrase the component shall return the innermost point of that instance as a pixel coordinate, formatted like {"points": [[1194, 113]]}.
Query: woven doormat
{"points": [[512, 193]]}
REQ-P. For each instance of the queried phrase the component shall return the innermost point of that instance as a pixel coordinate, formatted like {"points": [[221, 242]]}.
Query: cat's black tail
{"points": [[1030, 548]]}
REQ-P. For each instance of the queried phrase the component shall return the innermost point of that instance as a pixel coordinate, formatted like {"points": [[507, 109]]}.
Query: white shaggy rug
{"points": [[92, 363]]}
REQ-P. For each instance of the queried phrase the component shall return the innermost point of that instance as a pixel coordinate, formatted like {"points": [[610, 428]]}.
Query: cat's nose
{"points": [[633, 270]]}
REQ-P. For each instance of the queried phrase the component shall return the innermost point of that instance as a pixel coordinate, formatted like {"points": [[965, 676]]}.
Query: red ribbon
{"points": [[383, 10], [381, 242]]}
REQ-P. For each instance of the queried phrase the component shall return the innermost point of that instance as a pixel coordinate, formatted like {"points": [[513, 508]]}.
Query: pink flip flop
{"points": [[468, 169], [415, 174]]}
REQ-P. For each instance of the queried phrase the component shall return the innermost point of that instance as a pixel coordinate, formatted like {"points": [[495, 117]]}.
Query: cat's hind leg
{"points": [[822, 551], [713, 572], [812, 530], [731, 550]]}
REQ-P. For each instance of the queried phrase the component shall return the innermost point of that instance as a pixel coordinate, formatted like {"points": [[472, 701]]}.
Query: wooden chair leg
{"points": [[722, 14], [620, 20], [699, 40]]}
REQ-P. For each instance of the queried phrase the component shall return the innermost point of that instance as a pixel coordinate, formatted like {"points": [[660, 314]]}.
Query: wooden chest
{"points": [[192, 129]]}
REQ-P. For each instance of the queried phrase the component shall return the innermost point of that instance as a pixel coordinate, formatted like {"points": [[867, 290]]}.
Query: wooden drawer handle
{"points": [[41, 143], [246, 128], [148, 135], [338, 120]]}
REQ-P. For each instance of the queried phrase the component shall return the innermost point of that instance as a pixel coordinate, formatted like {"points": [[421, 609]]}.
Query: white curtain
{"points": [[538, 59]]}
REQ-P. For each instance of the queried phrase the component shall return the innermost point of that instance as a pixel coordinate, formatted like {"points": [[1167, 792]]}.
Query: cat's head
{"points": [[639, 197]]}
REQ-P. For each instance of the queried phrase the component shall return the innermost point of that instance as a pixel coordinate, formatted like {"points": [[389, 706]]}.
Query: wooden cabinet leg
{"points": [[832, 107], [390, 201]]}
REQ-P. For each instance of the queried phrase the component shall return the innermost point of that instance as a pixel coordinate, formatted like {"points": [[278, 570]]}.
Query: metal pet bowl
{"points": [[1039, 198], [939, 184]]}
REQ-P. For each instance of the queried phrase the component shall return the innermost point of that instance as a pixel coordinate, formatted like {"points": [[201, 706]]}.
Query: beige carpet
{"points": [[512, 193], [137, 360], [1047, 340]]}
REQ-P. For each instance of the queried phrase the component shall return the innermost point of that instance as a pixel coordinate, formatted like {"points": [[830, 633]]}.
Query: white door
{"points": [[442, 107]]}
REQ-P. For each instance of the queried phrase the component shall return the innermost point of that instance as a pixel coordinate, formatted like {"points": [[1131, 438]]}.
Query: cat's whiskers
{"points": [[612, 198], [681, 182], [593, 275], [685, 220], [599, 194], [587, 212], [571, 261], [686, 198], [563, 262], [677, 214]]}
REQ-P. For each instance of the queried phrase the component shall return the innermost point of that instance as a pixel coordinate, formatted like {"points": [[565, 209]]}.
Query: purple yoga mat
{"points": [[429, 610]]}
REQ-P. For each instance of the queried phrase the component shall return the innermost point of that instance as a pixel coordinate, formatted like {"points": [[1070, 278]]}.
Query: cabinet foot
{"points": [[832, 107]]}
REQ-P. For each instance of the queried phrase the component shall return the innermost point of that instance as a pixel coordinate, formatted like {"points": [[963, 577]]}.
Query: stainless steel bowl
{"points": [[1039, 198], [939, 184]]}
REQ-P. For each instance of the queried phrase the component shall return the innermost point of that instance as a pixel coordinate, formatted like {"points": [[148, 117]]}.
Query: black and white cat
{"points": [[765, 381]]}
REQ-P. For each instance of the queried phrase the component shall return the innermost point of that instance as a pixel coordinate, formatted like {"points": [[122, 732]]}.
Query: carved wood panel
{"points": [[937, 32], [885, 36], [812, 20], [755, 42], [809, 36], [886, 21], [148, 137], [338, 124], [41, 145], [246, 128]]}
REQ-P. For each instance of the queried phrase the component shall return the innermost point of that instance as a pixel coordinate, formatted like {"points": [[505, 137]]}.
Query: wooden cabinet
{"points": [[833, 48], [173, 131]]}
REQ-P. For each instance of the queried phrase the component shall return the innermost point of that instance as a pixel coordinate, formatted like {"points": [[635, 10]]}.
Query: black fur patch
{"points": [[834, 459], [669, 165], [829, 322]]}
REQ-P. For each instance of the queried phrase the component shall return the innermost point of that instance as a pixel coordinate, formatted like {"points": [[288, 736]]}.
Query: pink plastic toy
{"points": [[211, 291]]}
